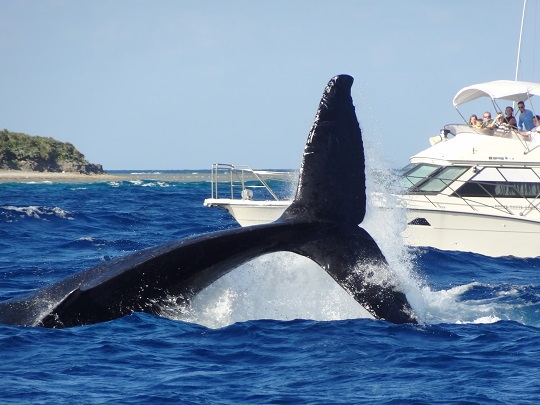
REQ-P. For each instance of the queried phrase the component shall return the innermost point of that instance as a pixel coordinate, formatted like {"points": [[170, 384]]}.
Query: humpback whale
{"points": [[322, 223]]}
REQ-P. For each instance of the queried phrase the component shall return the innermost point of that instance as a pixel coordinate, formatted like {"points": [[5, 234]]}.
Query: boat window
{"points": [[502, 182], [492, 189], [414, 174], [419, 221], [407, 168], [517, 190], [441, 180]]}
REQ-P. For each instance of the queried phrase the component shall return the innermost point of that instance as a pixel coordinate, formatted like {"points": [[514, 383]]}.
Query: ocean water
{"points": [[277, 330]]}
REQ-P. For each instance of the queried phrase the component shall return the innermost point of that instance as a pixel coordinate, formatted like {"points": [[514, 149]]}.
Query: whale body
{"points": [[322, 223]]}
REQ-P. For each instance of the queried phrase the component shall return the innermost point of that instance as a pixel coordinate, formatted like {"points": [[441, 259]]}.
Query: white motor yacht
{"points": [[474, 189]]}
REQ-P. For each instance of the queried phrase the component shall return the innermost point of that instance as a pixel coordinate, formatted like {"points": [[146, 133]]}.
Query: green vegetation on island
{"points": [[24, 152]]}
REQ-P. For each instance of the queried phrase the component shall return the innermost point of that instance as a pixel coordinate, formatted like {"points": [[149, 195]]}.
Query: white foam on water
{"points": [[446, 306], [38, 212]]}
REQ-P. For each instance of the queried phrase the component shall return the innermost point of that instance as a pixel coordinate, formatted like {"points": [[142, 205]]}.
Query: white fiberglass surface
{"points": [[520, 175], [514, 174], [489, 174]]}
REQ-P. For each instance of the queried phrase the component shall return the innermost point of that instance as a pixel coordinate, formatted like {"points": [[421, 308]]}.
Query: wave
{"points": [[478, 303], [11, 213], [93, 242], [141, 183]]}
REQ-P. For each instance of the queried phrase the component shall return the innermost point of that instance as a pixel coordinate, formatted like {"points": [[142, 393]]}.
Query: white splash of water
{"points": [[282, 286], [385, 221], [446, 306]]}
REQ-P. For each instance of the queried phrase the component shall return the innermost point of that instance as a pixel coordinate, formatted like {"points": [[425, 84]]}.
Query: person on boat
{"points": [[487, 121], [533, 134], [525, 118], [474, 122], [536, 126], [509, 117]]}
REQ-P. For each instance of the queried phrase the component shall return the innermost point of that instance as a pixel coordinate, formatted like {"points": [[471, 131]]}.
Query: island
{"points": [[26, 157], [24, 152]]}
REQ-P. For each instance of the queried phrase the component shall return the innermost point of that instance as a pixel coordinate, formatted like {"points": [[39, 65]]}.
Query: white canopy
{"points": [[498, 89]]}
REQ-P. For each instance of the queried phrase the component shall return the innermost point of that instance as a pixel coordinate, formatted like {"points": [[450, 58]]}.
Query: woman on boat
{"points": [[473, 121], [509, 117]]}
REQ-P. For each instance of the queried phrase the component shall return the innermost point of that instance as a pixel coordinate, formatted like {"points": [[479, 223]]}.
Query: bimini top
{"points": [[498, 89]]}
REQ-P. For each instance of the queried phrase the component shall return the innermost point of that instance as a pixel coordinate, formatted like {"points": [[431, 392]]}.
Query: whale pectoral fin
{"points": [[352, 258]]}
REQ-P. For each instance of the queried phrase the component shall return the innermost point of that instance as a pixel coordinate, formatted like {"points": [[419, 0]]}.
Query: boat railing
{"points": [[503, 131], [243, 182]]}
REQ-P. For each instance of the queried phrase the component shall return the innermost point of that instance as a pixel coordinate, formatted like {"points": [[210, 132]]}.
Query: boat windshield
{"points": [[440, 180], [427, 178], [413, 174]]}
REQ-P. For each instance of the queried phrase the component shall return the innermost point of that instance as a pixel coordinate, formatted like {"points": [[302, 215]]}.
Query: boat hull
{"points": [[250, 212], [488, 235]]}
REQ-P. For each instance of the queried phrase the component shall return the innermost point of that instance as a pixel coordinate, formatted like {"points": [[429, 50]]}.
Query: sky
{"points": [[182, 84]]}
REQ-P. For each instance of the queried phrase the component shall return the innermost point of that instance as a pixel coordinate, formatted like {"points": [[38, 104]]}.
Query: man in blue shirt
{"points": [[525, 118]]}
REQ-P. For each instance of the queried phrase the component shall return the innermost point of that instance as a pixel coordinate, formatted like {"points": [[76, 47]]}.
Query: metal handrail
{"points": [[236, 177]]}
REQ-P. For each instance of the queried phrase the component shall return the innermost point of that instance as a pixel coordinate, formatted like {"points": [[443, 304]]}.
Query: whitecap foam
{"points": [[38, 182], [486, 319], [38, 212], [92, 241], [448, 306]]}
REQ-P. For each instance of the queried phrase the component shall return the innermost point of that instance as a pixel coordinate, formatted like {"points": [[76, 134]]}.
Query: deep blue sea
{"points": [[277, 330]]}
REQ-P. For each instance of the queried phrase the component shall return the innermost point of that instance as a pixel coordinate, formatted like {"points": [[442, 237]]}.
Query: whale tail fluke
{"points": [[322, 223]]}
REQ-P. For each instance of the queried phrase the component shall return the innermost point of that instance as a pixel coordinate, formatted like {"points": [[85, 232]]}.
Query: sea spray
{"points": [[281, 286], [386, 219]]}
